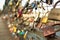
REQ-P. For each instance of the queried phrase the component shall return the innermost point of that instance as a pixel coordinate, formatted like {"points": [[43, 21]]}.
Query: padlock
{"points": [[21, 33], [20, 12], [11, 30], [18, 31], [33, 5], [31, 19], [9, 26], [14, 28], [10, 3], [25, 35], [45, 18]]}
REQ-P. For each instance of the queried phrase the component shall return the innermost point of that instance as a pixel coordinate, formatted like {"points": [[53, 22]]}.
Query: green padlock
{"points": [[21, 33]]}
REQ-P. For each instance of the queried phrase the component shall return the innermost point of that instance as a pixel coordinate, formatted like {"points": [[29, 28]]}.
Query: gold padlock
{"points": [[44, 19], [14, 28], [25, 35]]}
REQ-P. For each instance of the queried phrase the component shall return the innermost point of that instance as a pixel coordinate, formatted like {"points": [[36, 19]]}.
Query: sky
{"points": [[1, 4]]}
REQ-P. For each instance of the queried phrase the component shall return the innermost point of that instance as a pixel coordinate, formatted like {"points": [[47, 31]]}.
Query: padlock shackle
{"points": [[56, 4]]}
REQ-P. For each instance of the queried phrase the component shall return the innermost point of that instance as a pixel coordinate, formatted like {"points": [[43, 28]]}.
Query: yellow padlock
{"points": [[14, 28], [25, 34], [10, 3], [44, 19]]}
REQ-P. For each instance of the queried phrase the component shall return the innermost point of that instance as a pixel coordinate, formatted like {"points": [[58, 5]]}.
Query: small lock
{"points": [[44, 19]]}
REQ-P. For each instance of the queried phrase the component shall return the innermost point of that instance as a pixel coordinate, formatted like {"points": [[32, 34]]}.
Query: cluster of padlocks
{"points": [[29, 21]]}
